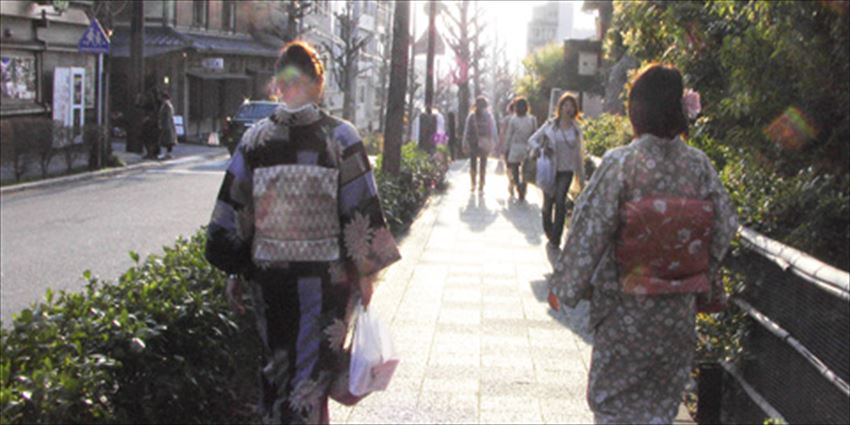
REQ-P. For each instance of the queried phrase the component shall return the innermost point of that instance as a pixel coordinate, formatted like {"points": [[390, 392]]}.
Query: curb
{"points": [[110, 172]]}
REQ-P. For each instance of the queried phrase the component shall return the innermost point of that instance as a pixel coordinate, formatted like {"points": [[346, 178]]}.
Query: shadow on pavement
{"points": [[574, 319], [475, 214], [517, 213]]}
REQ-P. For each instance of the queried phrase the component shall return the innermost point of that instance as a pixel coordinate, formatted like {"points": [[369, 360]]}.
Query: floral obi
{"points": [[296, 215], [663, 245]]}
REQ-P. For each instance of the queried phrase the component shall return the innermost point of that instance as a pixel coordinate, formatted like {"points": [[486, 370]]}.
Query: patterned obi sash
{"points": [[663, 245], [296, 214]]}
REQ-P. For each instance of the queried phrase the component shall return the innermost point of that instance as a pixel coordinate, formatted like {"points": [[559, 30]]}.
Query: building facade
{"points": [[202, 53], [36, 38], [554, 21]]}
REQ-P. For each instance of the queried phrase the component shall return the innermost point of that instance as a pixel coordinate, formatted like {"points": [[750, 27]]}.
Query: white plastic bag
{"points": [[373, 359], [545, 173]]}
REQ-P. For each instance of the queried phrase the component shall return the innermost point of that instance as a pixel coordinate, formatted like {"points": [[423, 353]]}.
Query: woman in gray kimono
{"points": [[645, 245], [298, 218]]}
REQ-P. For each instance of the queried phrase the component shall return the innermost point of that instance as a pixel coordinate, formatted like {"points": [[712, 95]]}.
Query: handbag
{"points": [[545, 175], [373, 358]]}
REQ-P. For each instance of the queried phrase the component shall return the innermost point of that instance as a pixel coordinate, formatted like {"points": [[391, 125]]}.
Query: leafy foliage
{"points": [[606, 132], [775, 94], [544, 70], [403, 195], [156, 346]]}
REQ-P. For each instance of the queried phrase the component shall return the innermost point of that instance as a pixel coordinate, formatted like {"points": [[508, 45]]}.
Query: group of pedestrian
{"points": [[158, 129], [521, 141], [298, 219]]}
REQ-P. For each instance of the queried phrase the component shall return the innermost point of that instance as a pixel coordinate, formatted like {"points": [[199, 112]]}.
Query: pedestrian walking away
{"points": [[561, 138], [479, 138], [167, 130], [518, 131], [644, 291], [299, 221]]}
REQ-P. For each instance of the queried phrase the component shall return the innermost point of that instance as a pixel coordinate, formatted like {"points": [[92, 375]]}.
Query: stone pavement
{"points": [[467, 309]]}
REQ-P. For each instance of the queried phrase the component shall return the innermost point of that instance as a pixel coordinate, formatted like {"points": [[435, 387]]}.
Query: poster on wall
{"points": [[18, 76]]}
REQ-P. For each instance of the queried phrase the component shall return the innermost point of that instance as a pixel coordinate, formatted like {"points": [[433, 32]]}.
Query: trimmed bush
{"points": [[155, 347]]}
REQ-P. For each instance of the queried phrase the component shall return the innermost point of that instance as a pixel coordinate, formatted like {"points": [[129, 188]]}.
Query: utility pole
{"points": [[427, 121], [398, 80], [137, 77]]}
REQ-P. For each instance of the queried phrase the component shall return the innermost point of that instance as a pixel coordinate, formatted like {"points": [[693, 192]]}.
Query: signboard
{"points": [[94, 39], [587, 63], [213, 63], [581, 59]]}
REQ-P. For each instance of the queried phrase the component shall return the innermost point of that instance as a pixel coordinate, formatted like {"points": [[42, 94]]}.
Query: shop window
{"points": [[18, 77]]}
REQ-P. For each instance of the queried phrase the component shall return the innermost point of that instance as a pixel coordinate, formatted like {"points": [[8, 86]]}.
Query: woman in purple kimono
{"points": [[645, 243], [299, 220]]}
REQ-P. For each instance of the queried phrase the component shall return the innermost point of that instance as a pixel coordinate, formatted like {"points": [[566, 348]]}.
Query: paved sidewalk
{"points": [[468, 312]]}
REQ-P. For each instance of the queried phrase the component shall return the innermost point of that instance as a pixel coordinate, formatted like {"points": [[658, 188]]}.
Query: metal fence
{"points": [[796, 361]]}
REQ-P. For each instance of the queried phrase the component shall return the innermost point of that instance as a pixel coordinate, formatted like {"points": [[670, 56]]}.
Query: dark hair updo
{"points": [[655, 102], [304, 58], [521, 106]]}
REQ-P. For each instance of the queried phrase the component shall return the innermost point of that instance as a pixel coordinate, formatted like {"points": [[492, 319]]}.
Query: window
{"points": [[199, 13], [18, 77], [228, 18]]}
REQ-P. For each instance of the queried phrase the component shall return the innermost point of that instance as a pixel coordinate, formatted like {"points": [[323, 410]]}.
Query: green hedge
{"points": [[156, 346], [160, 345]]}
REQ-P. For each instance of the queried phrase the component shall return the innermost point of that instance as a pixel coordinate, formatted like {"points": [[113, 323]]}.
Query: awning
{"points": [[245, 46], [158, 41], [217, 75]]}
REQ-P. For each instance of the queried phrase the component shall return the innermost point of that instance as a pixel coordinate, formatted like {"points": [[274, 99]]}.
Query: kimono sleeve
{"points": [[231, 228], [367, 244], [591, 231]]}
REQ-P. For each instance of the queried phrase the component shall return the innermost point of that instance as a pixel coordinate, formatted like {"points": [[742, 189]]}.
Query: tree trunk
{"points": [[398, 80], [137, 78], [463, 84], [351, 66]]}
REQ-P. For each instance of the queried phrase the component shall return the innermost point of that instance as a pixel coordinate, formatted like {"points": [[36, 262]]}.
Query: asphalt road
{"points": [[51, 235]]}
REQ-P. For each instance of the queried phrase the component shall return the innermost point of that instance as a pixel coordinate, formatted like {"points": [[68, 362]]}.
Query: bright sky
{"points": [[508, 18]]}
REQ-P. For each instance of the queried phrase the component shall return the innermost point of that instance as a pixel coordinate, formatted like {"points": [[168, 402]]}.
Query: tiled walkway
{"points": [[467, 309]]}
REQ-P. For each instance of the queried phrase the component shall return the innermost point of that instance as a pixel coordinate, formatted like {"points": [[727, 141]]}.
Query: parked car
{"points": [[249, 113]]}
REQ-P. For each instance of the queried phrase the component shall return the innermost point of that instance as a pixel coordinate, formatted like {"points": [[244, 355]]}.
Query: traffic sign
{"points": [[94, 40]]}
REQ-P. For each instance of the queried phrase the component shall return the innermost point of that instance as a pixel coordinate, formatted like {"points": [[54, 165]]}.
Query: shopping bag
{"points": [[529, 170], [373, 358], [545, 178]]}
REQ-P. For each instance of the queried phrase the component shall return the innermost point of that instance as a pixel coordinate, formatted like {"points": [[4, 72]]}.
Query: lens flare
{"points": [[791, 130]]}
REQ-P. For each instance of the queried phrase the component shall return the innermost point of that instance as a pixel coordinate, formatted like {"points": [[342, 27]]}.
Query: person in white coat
{"points": [[518, 131]]}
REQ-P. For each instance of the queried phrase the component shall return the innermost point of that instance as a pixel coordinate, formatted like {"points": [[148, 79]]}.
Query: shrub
{"points": [[374, 143], [420, 174], [156, 346], [605, 132], [16, 144]]}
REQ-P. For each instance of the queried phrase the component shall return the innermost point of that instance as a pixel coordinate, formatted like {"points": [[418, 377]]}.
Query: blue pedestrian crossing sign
{"points": [[94, 40]]}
